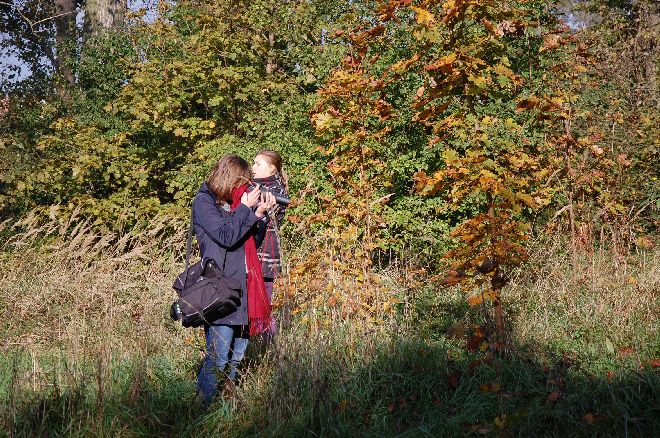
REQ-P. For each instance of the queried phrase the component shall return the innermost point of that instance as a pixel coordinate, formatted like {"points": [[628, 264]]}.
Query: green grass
{"points": [[401, 387], [88, 350]]}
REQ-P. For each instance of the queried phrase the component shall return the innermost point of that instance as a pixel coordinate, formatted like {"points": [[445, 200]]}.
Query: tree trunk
{"points": [[495, 286], [65, 36], [103, 15], [271, 65]]}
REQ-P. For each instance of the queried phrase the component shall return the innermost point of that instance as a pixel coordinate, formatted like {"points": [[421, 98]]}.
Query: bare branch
{"points": [[30, 22]]}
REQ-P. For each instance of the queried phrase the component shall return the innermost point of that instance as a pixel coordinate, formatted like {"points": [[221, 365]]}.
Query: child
{"points": [[267, 171]]}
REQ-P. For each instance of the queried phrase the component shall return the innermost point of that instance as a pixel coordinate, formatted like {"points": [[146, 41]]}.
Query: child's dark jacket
{"points": [[269, 251]]}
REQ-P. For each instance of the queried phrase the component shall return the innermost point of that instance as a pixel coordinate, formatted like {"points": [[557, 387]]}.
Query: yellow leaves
{"points": [[487, 179], [500, 420], [389, 304], [644, 242], [452, 9], [495, 31], [322, 121], [63, 123], [478, 298], [402, 66], [450, 156], [423, 16], [527, 199], [444, 64], [506, 72], [551, 42], [479, 81]]}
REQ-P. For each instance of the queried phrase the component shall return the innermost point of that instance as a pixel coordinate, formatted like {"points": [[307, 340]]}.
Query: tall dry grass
{"points": [[89, 350], [609, 303], [65, 285]]}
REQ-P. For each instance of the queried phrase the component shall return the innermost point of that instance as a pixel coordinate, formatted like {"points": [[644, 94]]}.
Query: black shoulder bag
{"points": [[205, 294]]}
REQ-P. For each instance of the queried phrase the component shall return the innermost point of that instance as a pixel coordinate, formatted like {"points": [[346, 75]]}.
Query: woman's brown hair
{"points": [[229, 172], [276, 160]]}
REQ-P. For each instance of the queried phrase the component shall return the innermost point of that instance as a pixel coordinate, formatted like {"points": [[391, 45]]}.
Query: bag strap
{"points": [[189, 241], [273, 218], [189, 248]]}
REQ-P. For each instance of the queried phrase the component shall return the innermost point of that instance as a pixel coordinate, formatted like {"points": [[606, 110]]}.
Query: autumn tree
{"points": [[597, 108], [176, 93], [467, 55], [350, 117]]}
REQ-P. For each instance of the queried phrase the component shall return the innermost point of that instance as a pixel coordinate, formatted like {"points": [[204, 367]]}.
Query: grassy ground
{"points": [[88, 350]]}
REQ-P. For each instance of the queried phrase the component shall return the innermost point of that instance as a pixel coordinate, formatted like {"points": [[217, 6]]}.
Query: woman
{"points": [[228, 230], [267, 171]]}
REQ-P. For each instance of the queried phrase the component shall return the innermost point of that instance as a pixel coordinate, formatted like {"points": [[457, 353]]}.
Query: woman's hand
{"points": [[250, 199], [267, 202]]}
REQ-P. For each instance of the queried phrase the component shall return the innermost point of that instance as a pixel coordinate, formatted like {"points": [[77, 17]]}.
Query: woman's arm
{"points": [[226, 230]]}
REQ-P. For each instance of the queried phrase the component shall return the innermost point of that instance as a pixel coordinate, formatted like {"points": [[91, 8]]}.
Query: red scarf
{"points": [[259, 309]]}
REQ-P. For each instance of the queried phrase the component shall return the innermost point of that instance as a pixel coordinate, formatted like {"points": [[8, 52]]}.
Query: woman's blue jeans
{"points": [[219, 353]]}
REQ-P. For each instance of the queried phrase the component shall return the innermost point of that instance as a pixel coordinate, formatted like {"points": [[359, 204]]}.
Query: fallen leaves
{"points": [[489, 387], [553, 396], [589, 418]]}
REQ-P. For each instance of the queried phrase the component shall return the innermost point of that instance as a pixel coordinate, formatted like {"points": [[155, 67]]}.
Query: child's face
{"points": [[262, 168]]}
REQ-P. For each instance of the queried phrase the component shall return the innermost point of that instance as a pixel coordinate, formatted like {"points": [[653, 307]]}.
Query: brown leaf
{"points": [[497, 31], [526, 104], [474, 341], [550, 42], [489, 387], [454, 379], [625, 351], [589, 418], [476, 299], [456, 331], [553, 396], [444, 64], [420, 180]]}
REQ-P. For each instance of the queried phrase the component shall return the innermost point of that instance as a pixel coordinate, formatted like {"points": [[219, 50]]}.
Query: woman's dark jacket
{"points": [[221, 232]]}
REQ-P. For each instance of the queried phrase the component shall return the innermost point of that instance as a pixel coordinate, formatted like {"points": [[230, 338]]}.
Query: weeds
{"points": [[89, 350]]}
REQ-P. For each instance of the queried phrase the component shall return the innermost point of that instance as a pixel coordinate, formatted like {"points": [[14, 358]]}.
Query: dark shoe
{"points": [[199, 402], [229, 390]]}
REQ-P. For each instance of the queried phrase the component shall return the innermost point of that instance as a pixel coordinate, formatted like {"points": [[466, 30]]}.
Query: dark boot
{"points": [[229, 390]]}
